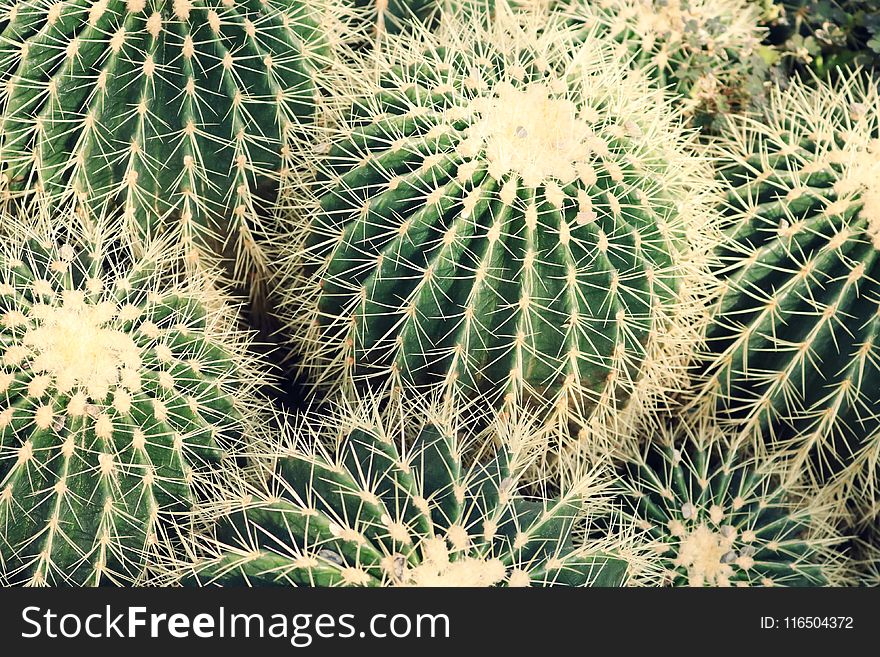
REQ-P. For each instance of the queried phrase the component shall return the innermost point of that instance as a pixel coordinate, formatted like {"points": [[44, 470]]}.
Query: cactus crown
{"points": [[171, 113], [717, 518], [117, 388], [396, 504], [502, 211], [795, 350]]}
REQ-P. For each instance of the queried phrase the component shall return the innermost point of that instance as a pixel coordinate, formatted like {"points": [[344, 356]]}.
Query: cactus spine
{"points": [[396, 503], [795, 350], [502, 212], [119, 392], [173, 114]]}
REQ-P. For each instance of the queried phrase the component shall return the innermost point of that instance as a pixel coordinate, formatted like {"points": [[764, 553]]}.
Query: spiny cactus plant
{"points": [[401, 500], [174, 114], [795, 351], [119, 390], [714, 517], [501, 211], [707, 51]]}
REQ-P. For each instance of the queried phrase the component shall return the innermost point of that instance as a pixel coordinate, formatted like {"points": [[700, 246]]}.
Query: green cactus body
{"points": [[517, 221], [392, 508], [713, 518], [795, 351], [706, 51], [114, 393], [171, 113]]}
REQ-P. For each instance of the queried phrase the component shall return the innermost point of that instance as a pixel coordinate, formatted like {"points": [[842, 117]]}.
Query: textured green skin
{"points": [[767, 512], [755, 364], [288, 527], [420, 347], [75, 547], [97, 162]]}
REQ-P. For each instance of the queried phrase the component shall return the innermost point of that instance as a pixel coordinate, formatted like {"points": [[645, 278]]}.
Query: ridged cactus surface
{"points": [[171, 114], [397, 504], [795, 340], [117, 391], [501, 211], [713, 517]]}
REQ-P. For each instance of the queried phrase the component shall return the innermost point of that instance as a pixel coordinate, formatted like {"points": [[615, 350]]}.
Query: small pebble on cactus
{"points": [[505, 211], [398, 501], [795, 360], [120, 392]]}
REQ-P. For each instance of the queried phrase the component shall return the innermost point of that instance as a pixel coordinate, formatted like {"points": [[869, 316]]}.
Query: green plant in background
{"points": [[176, 115], [825, 35], [396, 15], [402, 500], [713, 517], [796, 357], [120, 392], [707, 51], [502, 211]]}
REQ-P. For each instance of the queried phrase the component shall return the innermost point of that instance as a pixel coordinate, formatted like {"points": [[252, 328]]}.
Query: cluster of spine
{"points": [[404, 500], [501, 210], [714, 517], [172, 115], [120, 394], [795, 362], [706, 51]]}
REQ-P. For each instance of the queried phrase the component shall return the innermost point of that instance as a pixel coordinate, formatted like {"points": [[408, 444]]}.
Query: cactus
{"points": [[176, 115], [395, 503], [716, 518], [120, 391], [867, 557], [706, 51], [500, 212], [796, 362]]}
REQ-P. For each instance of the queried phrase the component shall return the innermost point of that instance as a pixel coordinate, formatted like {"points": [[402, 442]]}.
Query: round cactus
{"points": [[796, 359], [715, 518], [117, 390], [173, 114], [504, 213], [395, 504], [706, 51]]}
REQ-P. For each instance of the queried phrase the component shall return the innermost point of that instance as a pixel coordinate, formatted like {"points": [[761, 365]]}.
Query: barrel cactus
{"points": [[395, 503], [501, 212], [795, 360], [176, 115], [717, 518], [119, 391], [706, 51]]}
